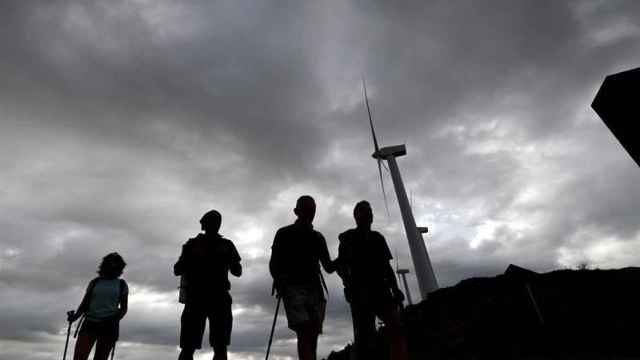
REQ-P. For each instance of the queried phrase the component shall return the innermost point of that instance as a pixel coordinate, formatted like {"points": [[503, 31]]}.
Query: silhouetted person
{"points": [[296, 253], [205, 263], [103, 305], [370, 285]]}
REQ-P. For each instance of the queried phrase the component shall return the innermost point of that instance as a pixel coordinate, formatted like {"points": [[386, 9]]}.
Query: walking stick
{"points": [[113, 351], [66, 344], [273, 327], [75, 334]]}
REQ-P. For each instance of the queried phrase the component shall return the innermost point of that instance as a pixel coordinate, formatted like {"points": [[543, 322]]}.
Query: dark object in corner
{"points": [[618, 105]]}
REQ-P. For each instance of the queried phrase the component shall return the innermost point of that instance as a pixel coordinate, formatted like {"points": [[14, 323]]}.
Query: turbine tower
{"points": [[424, 271]]}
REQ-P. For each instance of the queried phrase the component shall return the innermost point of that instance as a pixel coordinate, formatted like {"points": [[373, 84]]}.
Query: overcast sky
{"points": [[122, 122]]}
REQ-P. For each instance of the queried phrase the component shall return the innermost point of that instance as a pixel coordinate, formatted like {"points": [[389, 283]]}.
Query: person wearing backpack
{"points": [[204, 265], [296, 255], [370, 285], [104, 304]]}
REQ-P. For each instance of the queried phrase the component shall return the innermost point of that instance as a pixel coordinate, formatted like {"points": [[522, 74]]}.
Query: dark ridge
{"points": [[563, 314]]}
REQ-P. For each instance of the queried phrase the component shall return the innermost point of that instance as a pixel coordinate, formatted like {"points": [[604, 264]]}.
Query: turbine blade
{"points": [[366, 101], [384, 194], [375, 146]]}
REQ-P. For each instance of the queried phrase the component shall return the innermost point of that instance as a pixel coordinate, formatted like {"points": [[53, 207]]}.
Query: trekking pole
{"points": [[66, 344], [75, 334], [273, 327], [113, 351]]}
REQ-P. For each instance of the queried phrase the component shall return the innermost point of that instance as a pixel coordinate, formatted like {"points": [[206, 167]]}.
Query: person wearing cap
{"points": [[204, 263]]}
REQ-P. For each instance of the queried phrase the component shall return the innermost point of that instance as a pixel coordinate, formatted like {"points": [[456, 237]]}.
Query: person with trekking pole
{"points": [[104, 304], [66, 344], [204, 265], [296, 255], [370, 286]]}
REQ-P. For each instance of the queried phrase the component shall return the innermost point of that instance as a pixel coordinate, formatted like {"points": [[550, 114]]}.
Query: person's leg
{"points": [[364, 329], [192, 323], [104, 345], [220, 325], [307, 341], [390, 315], [186, 354], [84, 344], [300, 305]]}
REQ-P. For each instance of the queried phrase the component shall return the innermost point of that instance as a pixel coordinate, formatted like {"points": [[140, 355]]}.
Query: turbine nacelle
{"points": [[388, 151]]}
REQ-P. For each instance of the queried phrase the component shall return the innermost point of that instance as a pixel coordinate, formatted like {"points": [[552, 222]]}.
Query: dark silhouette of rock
{"points": [[590, 314], [617, 105]]}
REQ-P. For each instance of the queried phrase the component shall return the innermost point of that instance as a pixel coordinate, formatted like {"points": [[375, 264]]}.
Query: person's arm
{"points": [[389, 274], [340, 262], [124, 300], [275, 262], [390, 277], [84, 304], [325, 258], [234, 265], [180, 266]]}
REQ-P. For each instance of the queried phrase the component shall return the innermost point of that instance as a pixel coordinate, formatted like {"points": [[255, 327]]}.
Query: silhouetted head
{"points": [[111, 266], [211, 222], [363, 214], [305, 208]]}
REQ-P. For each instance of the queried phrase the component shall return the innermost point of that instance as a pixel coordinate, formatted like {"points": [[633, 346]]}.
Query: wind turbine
{"points": [[424, 271], [402, 273]]}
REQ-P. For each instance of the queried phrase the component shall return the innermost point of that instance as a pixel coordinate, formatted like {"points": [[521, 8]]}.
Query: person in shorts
{"points": [[296, 255], [103, 306], [204, 264]]}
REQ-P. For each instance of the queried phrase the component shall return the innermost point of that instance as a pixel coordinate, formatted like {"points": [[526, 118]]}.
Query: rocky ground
{"points": [[564, 314]]}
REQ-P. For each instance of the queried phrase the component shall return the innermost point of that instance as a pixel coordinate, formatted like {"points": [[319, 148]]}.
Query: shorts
{"points": [[194, 316], [305, 306], [108, 329]]}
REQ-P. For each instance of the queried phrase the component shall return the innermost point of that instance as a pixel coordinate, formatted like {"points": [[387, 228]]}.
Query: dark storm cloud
{"points": [[123, 122], [102, 68]]}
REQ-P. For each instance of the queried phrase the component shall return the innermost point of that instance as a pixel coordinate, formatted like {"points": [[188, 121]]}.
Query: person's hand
{"points": [[71, 316], [347, 294], [398, 295], [331, 267], [278, 288]]}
